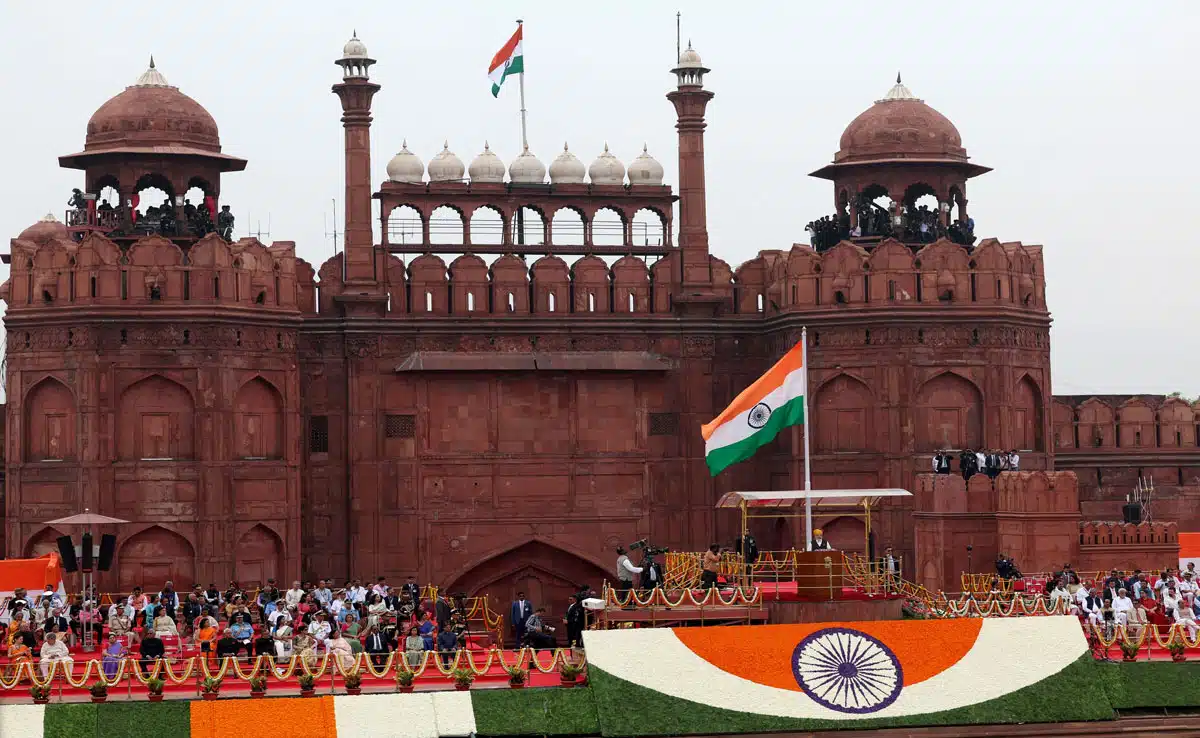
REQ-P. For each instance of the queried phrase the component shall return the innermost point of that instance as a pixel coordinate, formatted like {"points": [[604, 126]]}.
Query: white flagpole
{"points": [[808, 528], [521, 82]]}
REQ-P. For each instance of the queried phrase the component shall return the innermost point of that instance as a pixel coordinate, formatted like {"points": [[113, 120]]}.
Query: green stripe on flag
{"points": [[789, 414], [146, 719], [549, 711], [70, 721], [516, 66]]}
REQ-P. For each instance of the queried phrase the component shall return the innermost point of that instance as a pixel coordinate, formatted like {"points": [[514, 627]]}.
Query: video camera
{"points": [[648, 550]]}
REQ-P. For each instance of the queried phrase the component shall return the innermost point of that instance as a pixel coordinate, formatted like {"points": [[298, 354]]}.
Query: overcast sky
{"points": [[1087, 113]]}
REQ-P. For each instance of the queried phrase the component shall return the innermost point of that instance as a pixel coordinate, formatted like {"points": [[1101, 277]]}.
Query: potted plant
{"points": [[1176, 648], [569, 673], [462, 679], [99, 691], [404, 680], [516, 676], [353, 682], [1129, 651], [40, 695], [258, 687], [210, 688], [155, 687], [307, 685]]}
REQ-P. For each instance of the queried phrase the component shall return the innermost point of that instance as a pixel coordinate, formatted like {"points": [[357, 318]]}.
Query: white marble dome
{"points": [[645, 169], [527, 169], [607, 169], [406, 166], [689, 57], [446, 167], [486, 167], [354, 49], [566, 168]]}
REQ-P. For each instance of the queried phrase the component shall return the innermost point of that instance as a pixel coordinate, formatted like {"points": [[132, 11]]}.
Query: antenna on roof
{"points": [[258, 234], [334, 232]]}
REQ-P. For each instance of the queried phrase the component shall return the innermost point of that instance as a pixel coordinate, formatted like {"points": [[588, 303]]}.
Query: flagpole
{"points": [[808, 527], [521, 81]]}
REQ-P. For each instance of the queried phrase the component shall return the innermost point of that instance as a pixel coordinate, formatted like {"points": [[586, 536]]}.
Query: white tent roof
{"points": [[820, 497]]}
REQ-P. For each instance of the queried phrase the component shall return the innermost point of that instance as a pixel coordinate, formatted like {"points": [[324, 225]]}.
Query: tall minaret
{"points": [[690, 98], [355, 92]]}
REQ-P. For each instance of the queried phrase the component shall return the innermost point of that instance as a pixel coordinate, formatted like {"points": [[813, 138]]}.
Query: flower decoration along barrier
{"points": [[196, 670], [808, 676]]}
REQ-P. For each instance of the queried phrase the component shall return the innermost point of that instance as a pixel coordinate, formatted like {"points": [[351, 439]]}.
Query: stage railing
{"points": [[655, 598], [683, 568], [196, 668]]}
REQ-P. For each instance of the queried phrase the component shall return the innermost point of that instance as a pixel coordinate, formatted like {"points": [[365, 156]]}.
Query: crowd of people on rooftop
{"points": [[161, 219], [972, 462], [918, 224]]}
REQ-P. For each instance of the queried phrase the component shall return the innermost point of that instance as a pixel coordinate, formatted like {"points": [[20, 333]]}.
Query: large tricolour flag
{"points": [[756, 416], [507, 61]]}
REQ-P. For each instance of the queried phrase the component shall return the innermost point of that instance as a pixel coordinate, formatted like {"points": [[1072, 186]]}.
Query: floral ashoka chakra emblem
{"points": [[759, 415], [847, 670]]}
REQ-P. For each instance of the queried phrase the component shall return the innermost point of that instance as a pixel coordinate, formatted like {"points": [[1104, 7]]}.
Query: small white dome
{"points": [[151, 77], [527, 169], [406, 166], [607, 169], [354, 49], [645, 170], [446, 167], [688, 57], [566, 168], [487, 167]]}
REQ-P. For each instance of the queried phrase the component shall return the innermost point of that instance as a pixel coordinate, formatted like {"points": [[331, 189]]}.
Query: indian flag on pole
{"points": [[508, 60], [755, 417]]}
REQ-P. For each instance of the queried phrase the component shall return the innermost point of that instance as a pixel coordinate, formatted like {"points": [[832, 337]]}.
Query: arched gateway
{"points": [[547, 574]]}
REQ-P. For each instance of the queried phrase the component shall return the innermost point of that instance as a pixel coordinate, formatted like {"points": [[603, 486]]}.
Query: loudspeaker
{"points": [[89, 553], [108, 548], [1133, 513], [66, 549]]}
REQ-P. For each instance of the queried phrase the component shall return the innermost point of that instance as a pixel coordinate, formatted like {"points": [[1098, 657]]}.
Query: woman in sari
{"points": [[113, 653], [414, 647], [206, 637], [19, 652], [306, 648], [426, 630], [352, 631], [339, 648], [164, 626], [283, 641]]}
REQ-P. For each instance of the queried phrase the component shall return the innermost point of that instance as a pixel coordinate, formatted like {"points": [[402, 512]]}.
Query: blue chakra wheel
{"points": [[847, 670]]}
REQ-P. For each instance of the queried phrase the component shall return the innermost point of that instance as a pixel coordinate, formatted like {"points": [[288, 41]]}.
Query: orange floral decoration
{"points": [[310, 717], [763, 653]]}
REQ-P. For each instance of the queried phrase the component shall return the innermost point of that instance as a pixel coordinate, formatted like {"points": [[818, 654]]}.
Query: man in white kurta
{"points": [[1122, 607], [54, 650]]}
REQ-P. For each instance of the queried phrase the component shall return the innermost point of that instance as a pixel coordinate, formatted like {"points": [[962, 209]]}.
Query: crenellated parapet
{"points": [[1126, 546], [52, 272], [943, 273], [1117, 424]]}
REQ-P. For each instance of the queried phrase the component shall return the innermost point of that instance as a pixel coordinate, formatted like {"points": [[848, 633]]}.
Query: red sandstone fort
{"points": [[499, 411]]}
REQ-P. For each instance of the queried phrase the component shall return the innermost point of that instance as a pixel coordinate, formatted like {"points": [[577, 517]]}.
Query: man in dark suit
{"points": [[378, 645], [518, 613], [151, 649], [413, 590], [442, 612]]}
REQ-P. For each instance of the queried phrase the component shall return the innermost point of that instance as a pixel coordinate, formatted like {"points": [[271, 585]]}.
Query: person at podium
{"points": [[818, 542]]}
